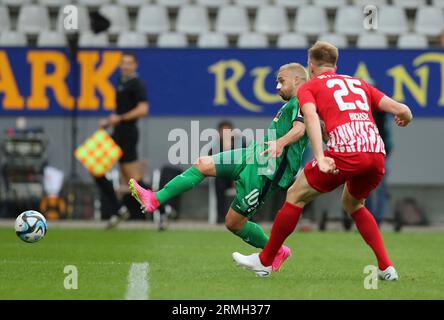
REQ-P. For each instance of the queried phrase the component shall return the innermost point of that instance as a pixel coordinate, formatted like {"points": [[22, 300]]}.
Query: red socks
{"points": [[283, 225], [369, 230], [288, 217]]}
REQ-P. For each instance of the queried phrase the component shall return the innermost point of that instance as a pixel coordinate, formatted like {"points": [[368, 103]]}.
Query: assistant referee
{"points": [[131, 105]]}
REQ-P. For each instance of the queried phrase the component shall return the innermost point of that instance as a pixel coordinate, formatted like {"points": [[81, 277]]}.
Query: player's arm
{"points": [[402, 113], [292, 136], [314, 130], [313, 127], [276, 147]]}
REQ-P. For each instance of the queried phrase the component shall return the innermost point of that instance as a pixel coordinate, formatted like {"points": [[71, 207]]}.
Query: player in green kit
{"points": [[257, 170]]}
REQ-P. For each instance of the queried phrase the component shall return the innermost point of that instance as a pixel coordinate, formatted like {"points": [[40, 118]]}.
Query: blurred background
{"points": [[207, 61]]}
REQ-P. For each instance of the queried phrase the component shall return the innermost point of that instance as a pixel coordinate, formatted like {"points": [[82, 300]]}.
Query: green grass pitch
{"points": [[198, 265]]}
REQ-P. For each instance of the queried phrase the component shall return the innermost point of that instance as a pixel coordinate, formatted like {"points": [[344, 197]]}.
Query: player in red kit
{"points": [[354, 156]]}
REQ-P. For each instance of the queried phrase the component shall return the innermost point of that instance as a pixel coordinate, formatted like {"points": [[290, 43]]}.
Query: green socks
{"points": [[253, 234], [181, 183]]}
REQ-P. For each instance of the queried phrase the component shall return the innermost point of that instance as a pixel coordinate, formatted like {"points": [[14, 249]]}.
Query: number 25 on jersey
{"points": [[345, 87]]}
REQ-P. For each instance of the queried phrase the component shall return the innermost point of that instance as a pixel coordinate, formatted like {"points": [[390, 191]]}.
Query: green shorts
{"points": [[232, 165]]}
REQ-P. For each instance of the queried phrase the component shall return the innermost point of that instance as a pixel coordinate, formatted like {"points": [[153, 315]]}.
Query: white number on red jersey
{"points": [[345, 86]]}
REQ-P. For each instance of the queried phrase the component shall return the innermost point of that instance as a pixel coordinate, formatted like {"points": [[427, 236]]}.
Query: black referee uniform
{"points": [[130, 92]]}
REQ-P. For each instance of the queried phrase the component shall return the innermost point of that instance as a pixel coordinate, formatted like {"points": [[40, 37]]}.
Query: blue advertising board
{"points": [[201, 82]]}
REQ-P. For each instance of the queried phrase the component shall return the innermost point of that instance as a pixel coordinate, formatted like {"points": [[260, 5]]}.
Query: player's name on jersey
{"points": [[359, 116]]}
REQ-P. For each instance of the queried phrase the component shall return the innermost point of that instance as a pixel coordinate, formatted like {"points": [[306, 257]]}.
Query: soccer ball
{"points": [[30, 226]]}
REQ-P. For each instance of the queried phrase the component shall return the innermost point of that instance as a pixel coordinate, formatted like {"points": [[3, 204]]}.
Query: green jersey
{"points": [[279, 127]]}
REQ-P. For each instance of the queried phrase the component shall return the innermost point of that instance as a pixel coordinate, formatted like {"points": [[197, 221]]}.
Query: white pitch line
{"points": [[138, 282], [104, 263]]}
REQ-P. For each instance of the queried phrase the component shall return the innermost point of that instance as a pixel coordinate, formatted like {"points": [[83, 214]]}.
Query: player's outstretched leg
{"points": [[368, 228], [254, 235], [150, 200]]}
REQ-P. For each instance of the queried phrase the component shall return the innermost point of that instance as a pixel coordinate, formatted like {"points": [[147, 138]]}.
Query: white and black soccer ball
{"points": [[30, 226]]}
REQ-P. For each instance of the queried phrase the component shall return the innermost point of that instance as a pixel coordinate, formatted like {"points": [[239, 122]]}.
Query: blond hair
{"points": [[323, 54], [295, 68]]}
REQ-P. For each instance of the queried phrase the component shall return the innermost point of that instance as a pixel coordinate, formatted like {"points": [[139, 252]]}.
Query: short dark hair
{"points": [[130, 54], [225, 123]]}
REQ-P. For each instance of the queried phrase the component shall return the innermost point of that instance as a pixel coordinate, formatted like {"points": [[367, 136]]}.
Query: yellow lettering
{"points": [[225, 85], [401, 78], [93, 78], [41, 80], [362, 72], [260, 74], [433, 57], [11, 99]]}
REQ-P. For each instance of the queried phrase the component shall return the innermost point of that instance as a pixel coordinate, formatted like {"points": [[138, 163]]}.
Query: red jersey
{"points": [[345, 105]]}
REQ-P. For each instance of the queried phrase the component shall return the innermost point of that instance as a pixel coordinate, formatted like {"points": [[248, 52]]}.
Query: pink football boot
{"points": [[146, 197], [282, 255]]}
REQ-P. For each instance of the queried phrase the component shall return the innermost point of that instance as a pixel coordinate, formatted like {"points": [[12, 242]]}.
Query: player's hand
{"points": [[403, 119], [327, 165], [103, 123], [274, 149]]}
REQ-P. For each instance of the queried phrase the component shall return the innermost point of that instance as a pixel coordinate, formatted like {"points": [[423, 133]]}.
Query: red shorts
{"points": [[361, 171]]}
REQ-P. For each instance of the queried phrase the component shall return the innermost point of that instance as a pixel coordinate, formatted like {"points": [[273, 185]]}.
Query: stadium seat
{"points": [[251, 4], [15, 3], [338, 40], [213, 3], [152, 19], [349, 20], [271, 20], [362, 3], [409, 4], [172, 40], [252, 40], [392, 20], [212, 40], [232, 20], [311, 20], [292, 40], [51, 39], [54, 3], [429, 21], [438, 3], [132, 3], [12, 39], [371, 40], [172, 3], [118, 17], [83, 20], [412, 41], [192, 19], [5, 21], [329, 4], [291, 4], [131, 39], [93, 3], [89, 39], [33, 19]]}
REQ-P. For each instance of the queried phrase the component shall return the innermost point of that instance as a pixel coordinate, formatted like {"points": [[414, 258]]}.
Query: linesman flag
{"points": [[98, 153]]}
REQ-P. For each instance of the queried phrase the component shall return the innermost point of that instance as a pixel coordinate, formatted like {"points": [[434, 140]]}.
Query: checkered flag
{"points": [[98, 153]]}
